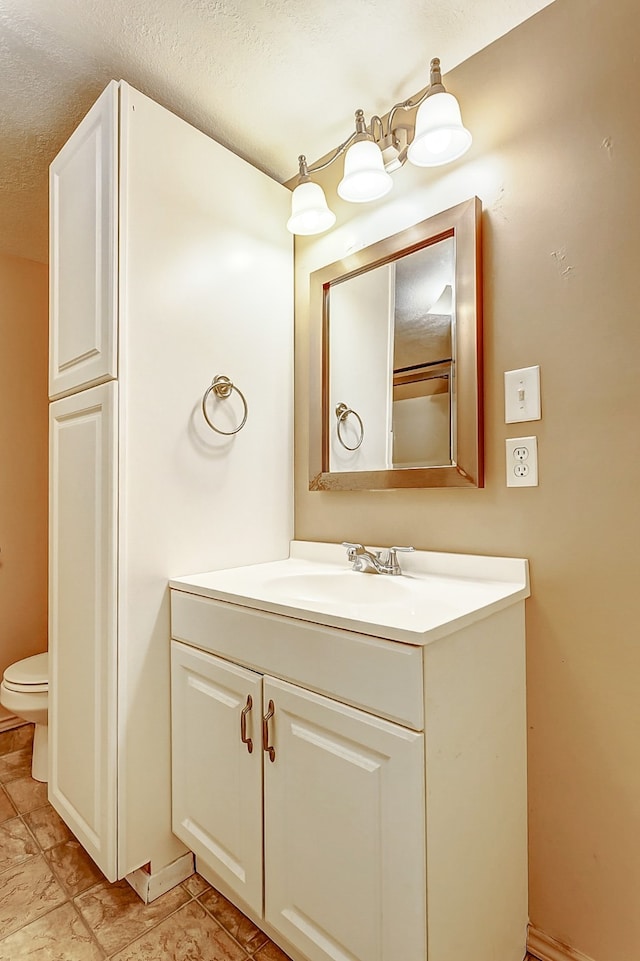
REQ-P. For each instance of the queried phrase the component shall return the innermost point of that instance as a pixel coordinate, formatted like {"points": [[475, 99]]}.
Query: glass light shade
{"points": [[440, 136], [309, 211], [364, 175]]}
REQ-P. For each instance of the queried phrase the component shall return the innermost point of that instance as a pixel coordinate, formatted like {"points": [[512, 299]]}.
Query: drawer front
{"points": [[379, 676]]}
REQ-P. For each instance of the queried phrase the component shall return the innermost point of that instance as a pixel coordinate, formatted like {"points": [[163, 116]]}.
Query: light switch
{"points": [[522, 395]]}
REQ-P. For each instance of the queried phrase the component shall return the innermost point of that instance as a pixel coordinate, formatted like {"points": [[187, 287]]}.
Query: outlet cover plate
{"points": [[522, 461]]}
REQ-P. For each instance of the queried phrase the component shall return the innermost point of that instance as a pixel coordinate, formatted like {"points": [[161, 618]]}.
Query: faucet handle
{"points": [[389, 559], [352, 549]]}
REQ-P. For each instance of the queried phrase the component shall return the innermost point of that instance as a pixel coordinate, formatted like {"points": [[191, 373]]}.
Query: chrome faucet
{"points": [[377, 562]]}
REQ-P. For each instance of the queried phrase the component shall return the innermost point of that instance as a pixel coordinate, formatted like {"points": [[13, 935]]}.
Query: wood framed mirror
{"points": [[396, 360]]}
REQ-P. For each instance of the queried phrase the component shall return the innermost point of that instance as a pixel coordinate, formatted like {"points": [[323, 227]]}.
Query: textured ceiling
{"points": [[268, 78]]}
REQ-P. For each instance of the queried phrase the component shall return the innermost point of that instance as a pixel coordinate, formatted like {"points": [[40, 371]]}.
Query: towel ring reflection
{"points": [[342, 412], [223, 387]]}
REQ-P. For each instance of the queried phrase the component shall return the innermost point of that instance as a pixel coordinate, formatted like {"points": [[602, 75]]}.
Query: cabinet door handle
{"points": [[243, 724], [269, 749]]}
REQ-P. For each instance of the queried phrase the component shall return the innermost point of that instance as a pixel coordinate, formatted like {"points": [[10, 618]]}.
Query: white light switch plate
{"points": [[521, 395], [522, 461]]}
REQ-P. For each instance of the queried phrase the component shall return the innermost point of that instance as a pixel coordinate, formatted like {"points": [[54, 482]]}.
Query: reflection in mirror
{"points": [[397, 361], [423, 360], [395, 322]]}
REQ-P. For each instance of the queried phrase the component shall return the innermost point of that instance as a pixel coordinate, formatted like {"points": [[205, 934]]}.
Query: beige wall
{"points": [[556, 161], [23, 459]]}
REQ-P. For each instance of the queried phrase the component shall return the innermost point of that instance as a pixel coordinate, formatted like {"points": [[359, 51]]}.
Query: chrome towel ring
{"points": [[342, 412], [223, 387]]}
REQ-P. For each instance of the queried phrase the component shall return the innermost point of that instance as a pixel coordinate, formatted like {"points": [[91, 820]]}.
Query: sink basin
{"points": [[436, 594], [345, 586]]}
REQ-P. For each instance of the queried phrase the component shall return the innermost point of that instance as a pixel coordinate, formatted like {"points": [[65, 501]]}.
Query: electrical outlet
{"points": [[522, 461]]}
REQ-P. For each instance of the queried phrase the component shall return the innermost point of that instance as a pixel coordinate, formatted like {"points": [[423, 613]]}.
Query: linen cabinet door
{"points": [[217, 766], [83, 235], [344, 830], [82, 618]]}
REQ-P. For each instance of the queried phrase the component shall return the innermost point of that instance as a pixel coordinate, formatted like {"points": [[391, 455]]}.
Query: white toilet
{"points": [[25, 692]]}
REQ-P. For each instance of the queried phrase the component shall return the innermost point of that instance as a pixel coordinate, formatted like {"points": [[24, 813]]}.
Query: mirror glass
{"points": [[391, 363], [396, 351]]}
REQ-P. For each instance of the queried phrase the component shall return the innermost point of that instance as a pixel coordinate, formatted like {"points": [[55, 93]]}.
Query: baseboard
{"points": [[544, 948], [151, 886], [8, 723]]}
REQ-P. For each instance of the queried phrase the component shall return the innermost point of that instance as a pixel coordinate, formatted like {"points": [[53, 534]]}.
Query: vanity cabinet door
{"points": [[344, 830], [83, 251], [217, 781]]}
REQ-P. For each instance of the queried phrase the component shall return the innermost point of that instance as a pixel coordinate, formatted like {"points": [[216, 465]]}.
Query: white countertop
{"points": [[436, 594]]}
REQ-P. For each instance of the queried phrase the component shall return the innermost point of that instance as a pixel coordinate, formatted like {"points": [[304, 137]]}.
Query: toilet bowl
{"points": [[25, 692]]}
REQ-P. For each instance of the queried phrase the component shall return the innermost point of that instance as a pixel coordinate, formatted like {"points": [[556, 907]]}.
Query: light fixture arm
{"points": [[376, 120], [435, 86], [306, 171]]}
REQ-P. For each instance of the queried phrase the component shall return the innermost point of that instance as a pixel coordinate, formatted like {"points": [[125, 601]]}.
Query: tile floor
{"points": [[55, 905]]}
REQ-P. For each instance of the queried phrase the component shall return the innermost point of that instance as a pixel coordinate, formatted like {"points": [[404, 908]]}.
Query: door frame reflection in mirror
{"points": [[463, 223]]}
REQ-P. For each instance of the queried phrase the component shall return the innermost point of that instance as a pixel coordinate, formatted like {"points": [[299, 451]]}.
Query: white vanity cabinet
{"points": [[343, 809], [390, 767]]}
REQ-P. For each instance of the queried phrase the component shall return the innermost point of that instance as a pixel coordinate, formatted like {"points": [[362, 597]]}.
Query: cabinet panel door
{"points": [[82, 618], [344, 831], [83, 265], [217, 782]]}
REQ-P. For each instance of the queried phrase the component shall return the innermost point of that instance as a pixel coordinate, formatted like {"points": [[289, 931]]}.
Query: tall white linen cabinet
{"points": [[170, 264]]}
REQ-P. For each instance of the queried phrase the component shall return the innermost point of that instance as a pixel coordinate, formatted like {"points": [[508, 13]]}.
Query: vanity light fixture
{"points": [[373, 152]]}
